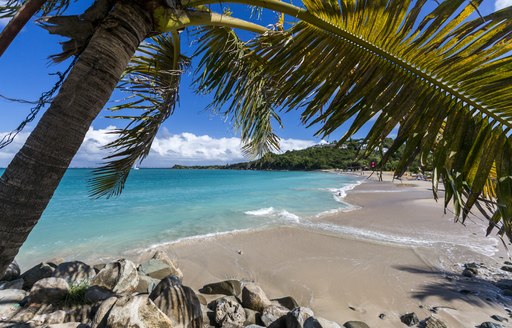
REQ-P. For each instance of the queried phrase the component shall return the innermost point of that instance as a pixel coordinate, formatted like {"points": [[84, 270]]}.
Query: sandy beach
{"points": [[396, 253]]}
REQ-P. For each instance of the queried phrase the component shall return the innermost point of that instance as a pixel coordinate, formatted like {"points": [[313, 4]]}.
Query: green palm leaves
{"points": [[439, 75], [234, 74], [153, 79], [443, 80]]}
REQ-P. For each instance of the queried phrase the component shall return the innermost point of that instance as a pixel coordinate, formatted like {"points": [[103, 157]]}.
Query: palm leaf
{"points": [[152, 79], [384, 60], [233, 73]]}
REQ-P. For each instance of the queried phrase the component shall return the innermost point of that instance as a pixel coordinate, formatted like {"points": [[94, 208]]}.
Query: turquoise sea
{"points": [[161, 206]]}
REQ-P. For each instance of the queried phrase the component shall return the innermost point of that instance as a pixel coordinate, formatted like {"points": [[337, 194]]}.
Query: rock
{"points": [[120, 276], [202, 299], [318, 322], [254, 298], [9, 302], [355, 324], [146, 284], [288, 302], [499, 318], [49, 290], [98, 267], [432, 322], [164, 257], [382, 316], [95, 294], [229, 313], [469, 272], [36, 273], [507, 263], [490, 325], [12, 272], [410, 319], [178, 302], [158, 269], [137, 312], [13, 284], [252, 317], [68, 325], [24, 314], [504, 284], [227, 287], [75, 273], [58, 316], [506, 268], [101, 316], [507, 292], [272, 313], [297, 317]]}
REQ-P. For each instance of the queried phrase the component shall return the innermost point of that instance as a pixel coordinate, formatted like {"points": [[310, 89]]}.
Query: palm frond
{"points": [[383, 62], [233, 73], [152, 79]]}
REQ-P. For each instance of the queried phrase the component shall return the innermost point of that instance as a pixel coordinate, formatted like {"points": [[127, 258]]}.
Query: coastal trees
{"points": [[443, 78]]}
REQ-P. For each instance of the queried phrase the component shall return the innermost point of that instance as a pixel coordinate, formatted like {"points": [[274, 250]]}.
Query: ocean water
{"points": [[160, 206]]}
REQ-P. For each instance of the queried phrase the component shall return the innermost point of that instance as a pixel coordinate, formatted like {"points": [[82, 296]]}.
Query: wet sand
{"points": [[397, 253]]}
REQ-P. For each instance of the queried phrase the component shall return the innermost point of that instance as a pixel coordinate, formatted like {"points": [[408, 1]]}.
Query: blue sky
{"points": [[190, 136]]}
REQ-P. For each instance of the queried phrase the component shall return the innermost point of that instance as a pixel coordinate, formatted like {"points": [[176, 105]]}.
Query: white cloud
{"points": [[500, 4], [4, 21], [167, 149]]}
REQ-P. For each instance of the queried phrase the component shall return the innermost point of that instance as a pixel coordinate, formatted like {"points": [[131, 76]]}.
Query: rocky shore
{"points": [[58, 294]]}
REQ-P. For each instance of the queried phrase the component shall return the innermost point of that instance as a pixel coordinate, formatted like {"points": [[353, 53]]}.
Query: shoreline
{"points": [[343, 277], [396, 253]]}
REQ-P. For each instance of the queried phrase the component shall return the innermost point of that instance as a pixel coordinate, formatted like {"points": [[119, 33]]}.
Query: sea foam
{"points": [[273, 213]]}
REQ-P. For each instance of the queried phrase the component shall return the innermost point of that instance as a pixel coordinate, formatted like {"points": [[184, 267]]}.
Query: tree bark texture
{"points": [[30, 180]]}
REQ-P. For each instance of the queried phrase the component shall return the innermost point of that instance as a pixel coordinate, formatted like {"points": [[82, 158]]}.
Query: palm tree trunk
{"points": [[17, 22], [30, 180]]}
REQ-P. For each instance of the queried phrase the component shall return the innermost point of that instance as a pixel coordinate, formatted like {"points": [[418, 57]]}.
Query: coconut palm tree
{"points": [[443, 78]]}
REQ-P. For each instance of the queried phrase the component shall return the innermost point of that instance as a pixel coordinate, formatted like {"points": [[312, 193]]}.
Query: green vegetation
{"points": [[76, 294], [347, 156]]}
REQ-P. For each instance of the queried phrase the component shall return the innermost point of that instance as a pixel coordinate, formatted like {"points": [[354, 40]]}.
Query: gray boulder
{"points": [[288, 302], [12, 272], [146, 284], [164, 257], [95, 294], [55, 317], [68, 325], [252, 317], [9, 302], [49, 290], [101, 316], [432, 322], [36, 273], [317, 322], [75, 272], [159, 269], [227, 287], [272, 313], [120, 276], [499, 318], [229, 313], [355, 324], [410, 319], [178, 302], [297, 317], [137, 312], [13, 284], [489, 324], [254, 298]]}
